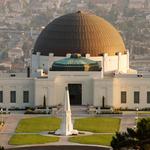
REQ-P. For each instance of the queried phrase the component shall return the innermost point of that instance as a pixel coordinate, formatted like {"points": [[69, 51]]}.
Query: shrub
{"points": [[30, 111], [2, 148], [146, 109]]}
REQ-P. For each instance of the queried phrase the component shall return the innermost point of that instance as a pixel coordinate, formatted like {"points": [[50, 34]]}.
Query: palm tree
{"points": [[138, 139]]}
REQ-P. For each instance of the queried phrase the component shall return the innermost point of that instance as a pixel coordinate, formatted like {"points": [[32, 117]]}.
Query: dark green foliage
{"points": [[2, 148], [122, 140], [137, 139], [44, 102]]}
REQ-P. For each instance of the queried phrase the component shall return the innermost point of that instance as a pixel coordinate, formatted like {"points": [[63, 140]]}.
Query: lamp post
{"points": [[136, 117], [42, 27], [137, 110], [2, 119]]}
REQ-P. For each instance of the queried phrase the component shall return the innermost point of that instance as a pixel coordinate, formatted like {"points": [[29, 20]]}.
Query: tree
{"points": [[103, 102], [2, 148], [138, 139], [44, 102]]}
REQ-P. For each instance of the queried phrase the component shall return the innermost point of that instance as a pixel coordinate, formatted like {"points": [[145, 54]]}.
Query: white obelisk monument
{"points": [[66, 125]]}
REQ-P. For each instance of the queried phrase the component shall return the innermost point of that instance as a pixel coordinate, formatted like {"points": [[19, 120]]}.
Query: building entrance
{"points": [[75, 92]]}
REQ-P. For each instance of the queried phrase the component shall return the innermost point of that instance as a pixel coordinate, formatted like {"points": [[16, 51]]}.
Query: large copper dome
{"points": [[79, 32]]}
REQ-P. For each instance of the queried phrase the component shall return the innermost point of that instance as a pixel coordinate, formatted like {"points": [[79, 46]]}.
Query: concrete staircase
{"points": [[77, 111]]}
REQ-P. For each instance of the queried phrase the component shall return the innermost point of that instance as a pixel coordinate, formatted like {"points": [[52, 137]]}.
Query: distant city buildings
{"points": [[15, 53], [5, 65], [137, 4], [148, 17]]}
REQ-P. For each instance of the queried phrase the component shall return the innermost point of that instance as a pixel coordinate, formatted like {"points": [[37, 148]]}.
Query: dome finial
{"points": [[75, 55], [79, 11]]}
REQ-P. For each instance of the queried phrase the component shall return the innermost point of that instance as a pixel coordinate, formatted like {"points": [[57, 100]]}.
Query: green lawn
{"points": [[38, 124], [25, 139], [93, 139], [98, 124]]}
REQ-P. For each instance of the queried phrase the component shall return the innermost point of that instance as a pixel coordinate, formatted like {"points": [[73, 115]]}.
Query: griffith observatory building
{"points": [[84, 52]]}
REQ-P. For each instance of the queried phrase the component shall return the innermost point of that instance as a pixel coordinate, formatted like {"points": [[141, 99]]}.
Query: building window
{"points": [[13, 96], [123, 96], [136, 97], [25, 96], [1, 96], [148, 97]]}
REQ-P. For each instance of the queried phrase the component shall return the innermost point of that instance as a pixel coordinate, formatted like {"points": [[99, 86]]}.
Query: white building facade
{"points": [[122, 88]]}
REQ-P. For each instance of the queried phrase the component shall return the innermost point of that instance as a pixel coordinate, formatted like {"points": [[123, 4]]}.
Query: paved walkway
{"points": [[8, 129], [127, 120], [11, 121]]}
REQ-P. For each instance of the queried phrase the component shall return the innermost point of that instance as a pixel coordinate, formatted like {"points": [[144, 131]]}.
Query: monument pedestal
{"points": [[66, 125]]}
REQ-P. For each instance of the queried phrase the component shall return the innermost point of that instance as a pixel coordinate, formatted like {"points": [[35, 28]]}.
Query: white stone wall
{"points": [[42, 62], [103, 87], [93, 89], [95, 85], [12, 75], [42, 88], [60, 79], [130, 85], [19, 85], [117, 63]]}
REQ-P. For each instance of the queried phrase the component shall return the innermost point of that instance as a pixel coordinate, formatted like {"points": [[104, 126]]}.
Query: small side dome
{"points": [[75, 63], [79, 32]]}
